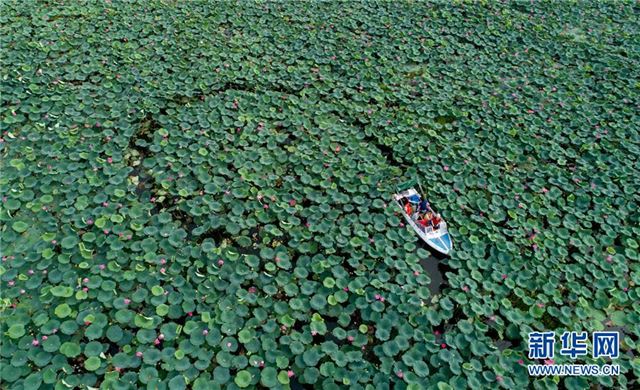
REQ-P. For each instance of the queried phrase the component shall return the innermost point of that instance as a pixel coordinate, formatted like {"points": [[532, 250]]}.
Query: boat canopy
{"points": [[406, 185], [415, 198]]}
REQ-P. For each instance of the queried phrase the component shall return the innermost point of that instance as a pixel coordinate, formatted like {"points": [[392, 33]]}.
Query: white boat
{"points": [[436, 237]]}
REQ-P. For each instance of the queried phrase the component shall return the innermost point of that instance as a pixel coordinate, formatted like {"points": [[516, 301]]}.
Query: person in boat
{"points": [[408, 208], [424, 222], [436, 221], [425, 206], [428, 217], [414, 200]]}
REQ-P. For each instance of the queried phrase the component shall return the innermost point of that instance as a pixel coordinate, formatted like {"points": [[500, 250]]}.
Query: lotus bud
{"points": [[35, 342], [161, 336], [205, 332], [350, 338], [400, 374], [45, 338], [127, 301], [102, 266], [139, 354], [220, 262]]}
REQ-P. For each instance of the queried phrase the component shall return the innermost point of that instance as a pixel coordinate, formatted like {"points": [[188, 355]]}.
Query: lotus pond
{"points": [[198, 194]]}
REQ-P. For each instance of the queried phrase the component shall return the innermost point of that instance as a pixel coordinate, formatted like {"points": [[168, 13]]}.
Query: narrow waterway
{"points": [[434, 267]]}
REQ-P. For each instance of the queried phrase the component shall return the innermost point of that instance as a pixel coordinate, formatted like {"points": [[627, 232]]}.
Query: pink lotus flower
{"points": [[85, 289], [85, 280], [498, 378], [416, 273], [609, 259], [89, 221], [400, 374], [292, 202], [350, 338], [290, 374], [346, 289], [163, 261], [127, 301], [109, 160], [31, 272], [229, 345], [549, 362], [162, 270], [190, 314], [205, 332], [540, 305], [139, 354], [504, 276], [161, 336], [446, 168], [220, 263], [266, 206], [45, 338], [156, 341], [465, 288], [545, 190], [443, 345], [520, 362], [35, 342], [377, 297]]}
